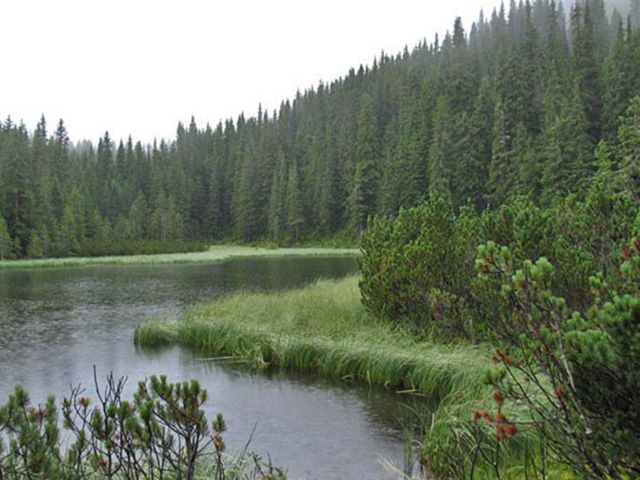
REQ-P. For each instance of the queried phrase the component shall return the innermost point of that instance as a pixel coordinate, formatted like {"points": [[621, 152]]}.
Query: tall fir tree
{"points": [[440, 151], [7, 245], [585, 67], [295, 210], [363, 197]]}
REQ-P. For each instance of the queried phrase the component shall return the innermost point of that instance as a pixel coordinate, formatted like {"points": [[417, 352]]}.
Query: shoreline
{"points": [[323, 329], [215, 254]]}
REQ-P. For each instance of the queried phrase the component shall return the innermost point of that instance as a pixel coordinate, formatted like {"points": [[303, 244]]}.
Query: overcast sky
{"points": [[140, 66]]}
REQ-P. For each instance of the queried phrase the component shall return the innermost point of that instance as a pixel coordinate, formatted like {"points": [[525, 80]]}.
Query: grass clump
{"points": [[158, 333]]}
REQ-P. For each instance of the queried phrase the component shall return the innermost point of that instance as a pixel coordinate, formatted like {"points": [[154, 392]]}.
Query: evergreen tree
{"points": [[7, 246], [60, 153], [440, 153], [586, 70], [277, 201], [566, 148], [18, 203], [39, 243], [502, 169], [295, 212], [630, 146], [473, 171], [73, 228], [329, 201], [137, 220], [620, 76], [166, 222], [363, 199]]}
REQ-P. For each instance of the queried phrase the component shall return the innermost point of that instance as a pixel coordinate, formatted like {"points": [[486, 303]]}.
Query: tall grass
{"points": [[214, 254], [324, 329]]}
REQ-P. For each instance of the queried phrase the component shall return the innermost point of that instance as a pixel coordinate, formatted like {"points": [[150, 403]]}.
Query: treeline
{"points": [[514, 106]]}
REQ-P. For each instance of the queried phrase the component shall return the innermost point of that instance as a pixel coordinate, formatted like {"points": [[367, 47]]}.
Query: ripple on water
{"points": [[57, 323]]}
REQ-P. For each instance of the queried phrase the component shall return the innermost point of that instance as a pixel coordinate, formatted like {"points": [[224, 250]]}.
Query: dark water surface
{"points": [[55, 324]]}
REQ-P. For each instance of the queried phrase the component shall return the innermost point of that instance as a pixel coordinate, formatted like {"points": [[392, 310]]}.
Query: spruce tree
{"points": [[585, 67], [474, 172], [329, 201], [630, 146], [42, 211], [73, 229], [440, 153], [60, 154], [39, 243], [502, 169], [363, 198], [295, 211], [18, 203], [278, 201], [137, 220], [7, 246], [620, 79], [408, 160], [566, 149]]}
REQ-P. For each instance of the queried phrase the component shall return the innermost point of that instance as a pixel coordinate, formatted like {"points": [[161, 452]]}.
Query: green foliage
{"points": [[166, 222], [321, 328], [161, 433], [576, 373], [7, 246], [414, 268], [440, 151], [40, 244], [362, 199], [419, 267], [513, 105], [295, 213], [630, 145]]}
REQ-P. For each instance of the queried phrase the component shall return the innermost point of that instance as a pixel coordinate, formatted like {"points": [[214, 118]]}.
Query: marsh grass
{"points": [[214, 254], [324, 329]]}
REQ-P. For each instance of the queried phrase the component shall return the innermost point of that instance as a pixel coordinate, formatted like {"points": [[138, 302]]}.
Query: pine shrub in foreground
{"points": [[162, 432]]}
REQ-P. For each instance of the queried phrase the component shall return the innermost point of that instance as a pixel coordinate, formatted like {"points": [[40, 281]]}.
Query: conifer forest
{"points": [[514, 104]]}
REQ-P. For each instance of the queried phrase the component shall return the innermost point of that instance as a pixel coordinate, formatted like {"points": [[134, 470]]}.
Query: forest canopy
{"points": [[513, 105]]}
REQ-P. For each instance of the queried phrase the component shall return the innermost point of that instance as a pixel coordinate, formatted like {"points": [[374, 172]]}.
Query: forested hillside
{"points": [[514, 104]]}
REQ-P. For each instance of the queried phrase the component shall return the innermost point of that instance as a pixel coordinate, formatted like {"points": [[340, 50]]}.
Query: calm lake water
{"points": [[55, 324]]}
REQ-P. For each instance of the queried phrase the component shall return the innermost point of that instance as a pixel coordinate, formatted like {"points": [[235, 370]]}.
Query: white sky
{"points": [[140, 66]]}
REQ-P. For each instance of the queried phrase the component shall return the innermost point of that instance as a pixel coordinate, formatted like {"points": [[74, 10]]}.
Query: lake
{"points": [[56, 324]]}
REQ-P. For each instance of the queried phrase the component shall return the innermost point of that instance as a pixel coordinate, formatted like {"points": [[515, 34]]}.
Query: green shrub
{"points": [[161, 433], [418, 268], [415, 267]]}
